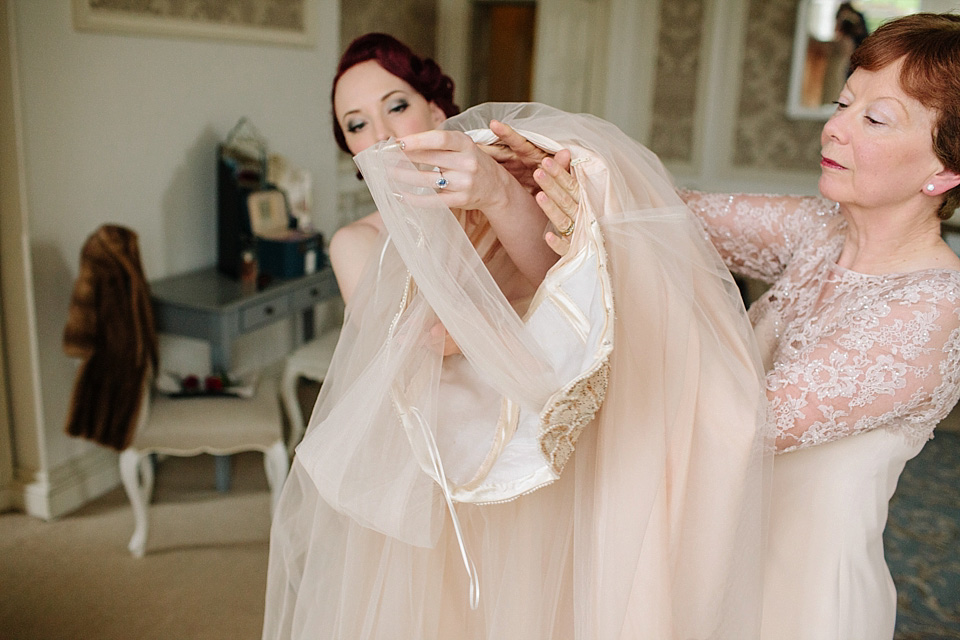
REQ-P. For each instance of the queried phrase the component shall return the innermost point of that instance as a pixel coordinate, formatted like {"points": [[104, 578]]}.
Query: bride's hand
{"points": [[467, 178]]}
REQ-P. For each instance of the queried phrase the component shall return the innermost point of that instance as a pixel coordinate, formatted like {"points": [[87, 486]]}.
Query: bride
{"points": [[587, 463]]}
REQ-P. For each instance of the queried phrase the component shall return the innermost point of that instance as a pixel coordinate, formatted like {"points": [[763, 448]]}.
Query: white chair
{"points": [[310, 361], [190, 426]]}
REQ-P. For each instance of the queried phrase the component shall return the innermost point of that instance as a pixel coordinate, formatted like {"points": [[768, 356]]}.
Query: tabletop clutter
{"points": [[264, 229]]}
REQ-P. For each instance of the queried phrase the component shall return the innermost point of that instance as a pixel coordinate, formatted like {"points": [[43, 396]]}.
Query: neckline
{"points": [[843, 271]]}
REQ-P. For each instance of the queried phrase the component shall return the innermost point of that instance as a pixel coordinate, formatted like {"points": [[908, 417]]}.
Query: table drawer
{"points": [[264, 313], [310, 296]]}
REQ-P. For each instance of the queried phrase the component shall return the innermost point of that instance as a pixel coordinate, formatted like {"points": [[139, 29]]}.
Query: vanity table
{"points": [[208, 305]]}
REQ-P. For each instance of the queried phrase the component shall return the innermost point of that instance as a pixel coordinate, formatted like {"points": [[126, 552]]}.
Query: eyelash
{"points": [[400, 107], [841, 106]]}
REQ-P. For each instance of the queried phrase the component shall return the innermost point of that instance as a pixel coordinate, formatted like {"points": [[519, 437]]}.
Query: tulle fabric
{"points": [[654, 528]]}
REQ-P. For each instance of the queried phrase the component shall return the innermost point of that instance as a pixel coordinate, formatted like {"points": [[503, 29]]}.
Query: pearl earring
{"points": [[930, 187]]}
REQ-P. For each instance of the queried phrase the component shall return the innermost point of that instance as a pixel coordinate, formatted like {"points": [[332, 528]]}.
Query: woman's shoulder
{"points": [[931, 290], [370, 222], [361, 231]]}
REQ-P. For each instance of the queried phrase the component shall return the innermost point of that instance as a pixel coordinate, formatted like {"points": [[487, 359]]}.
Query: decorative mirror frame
{"points": [[795, 107]]}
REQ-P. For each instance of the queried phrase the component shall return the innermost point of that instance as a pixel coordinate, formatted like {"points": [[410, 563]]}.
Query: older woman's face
{"points": [[372, 104], [877, 148]]}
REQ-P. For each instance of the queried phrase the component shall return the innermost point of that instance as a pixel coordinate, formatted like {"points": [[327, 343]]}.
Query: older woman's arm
{"points": [[898, 371], [755, 234]]}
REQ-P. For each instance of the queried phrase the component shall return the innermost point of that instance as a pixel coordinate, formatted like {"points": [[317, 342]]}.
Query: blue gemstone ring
{"points": [[442, 182]]}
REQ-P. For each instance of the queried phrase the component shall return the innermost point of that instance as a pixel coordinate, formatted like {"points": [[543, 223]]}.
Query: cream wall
{"points": [[123, 129]]}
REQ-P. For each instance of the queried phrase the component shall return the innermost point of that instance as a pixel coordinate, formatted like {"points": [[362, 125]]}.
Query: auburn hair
{"points": [[423, 74], [929, 44]]}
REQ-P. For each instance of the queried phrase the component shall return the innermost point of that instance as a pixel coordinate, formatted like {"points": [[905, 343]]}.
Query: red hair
{"points": [[424, 75], [929, 44]]}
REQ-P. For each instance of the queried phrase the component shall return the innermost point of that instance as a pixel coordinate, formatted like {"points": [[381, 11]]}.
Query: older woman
{"points": [[860, 329]]}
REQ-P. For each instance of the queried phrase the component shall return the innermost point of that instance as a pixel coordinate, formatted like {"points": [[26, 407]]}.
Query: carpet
{"points": [[922, 542]]}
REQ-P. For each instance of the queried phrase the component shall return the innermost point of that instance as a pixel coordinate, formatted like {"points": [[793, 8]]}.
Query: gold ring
{"points": [[566, 232]]}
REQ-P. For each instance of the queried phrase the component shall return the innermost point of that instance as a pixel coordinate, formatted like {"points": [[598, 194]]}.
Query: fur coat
{"points": [[110, 326]]}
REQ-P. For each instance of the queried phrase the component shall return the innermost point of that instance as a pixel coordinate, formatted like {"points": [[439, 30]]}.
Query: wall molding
{"points": [[67, 487]]}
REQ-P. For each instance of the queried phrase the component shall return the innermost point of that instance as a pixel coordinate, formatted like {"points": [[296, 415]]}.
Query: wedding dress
{"points": [[861, 368], [594, 466]]}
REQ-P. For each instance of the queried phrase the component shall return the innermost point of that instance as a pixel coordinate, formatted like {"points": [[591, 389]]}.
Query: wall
{"points": [[122, 128], [410, 21], [719, 112]]}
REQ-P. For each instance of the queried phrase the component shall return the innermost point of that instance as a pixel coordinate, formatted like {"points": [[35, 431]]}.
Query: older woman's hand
{"points": [[547, 176], [558, 199], [516, 154]]}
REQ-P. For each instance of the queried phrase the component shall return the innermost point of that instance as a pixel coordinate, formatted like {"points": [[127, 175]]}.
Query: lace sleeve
{"points": [[756, 235], [899, 370]]}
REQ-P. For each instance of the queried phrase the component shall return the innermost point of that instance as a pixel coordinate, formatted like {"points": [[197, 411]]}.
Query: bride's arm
{"points": [[477, 181], [350, 247], [756, 235]]}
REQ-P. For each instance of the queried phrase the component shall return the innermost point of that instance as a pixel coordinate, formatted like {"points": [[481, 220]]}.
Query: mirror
{"points": [[827, 32]]}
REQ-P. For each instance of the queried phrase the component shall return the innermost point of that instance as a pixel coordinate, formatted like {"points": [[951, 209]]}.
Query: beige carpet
{"points": [[202, 577]]}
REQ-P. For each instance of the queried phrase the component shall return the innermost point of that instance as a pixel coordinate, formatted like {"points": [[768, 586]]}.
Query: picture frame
{"points": [[268, 213], [272, 22]]}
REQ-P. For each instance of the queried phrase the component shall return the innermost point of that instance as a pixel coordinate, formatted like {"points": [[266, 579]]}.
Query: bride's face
{"points": [[372, 104]]}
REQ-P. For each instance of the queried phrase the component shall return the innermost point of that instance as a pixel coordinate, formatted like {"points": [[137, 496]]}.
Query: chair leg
{"points": [[136, 472], [291, 404], [276, 464]]}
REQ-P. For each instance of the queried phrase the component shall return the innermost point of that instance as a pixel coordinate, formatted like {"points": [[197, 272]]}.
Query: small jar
{"points": [[248, 269]]}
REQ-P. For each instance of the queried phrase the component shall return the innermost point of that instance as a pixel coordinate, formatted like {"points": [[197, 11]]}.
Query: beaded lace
{"points": [[846, 352]]}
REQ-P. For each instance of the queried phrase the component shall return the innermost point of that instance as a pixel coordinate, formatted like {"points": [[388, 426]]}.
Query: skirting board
{"points": [[69, 486]]}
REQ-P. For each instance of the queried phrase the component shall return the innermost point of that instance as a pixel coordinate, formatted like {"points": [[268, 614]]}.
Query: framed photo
{"points": [[278, 22], [268, 213]]}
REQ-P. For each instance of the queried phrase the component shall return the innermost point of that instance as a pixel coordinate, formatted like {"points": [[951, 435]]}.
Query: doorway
{"points": [[501, 69]]}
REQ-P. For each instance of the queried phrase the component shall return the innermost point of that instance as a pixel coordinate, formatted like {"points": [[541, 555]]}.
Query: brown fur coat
{"points": [[110, 325]]}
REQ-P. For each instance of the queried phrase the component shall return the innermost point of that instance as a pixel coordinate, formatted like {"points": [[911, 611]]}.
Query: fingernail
{"points": [[538, 174], [541, 196], [547, 162]]}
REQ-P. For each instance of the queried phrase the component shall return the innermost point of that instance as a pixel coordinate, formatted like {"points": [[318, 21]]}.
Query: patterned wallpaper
{"points": [[413, 22], [675, 90], [765, 137]]}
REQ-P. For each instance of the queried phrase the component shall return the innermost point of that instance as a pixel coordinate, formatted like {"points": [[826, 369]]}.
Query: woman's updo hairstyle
{"points": [[423, 74], [929, 44]]}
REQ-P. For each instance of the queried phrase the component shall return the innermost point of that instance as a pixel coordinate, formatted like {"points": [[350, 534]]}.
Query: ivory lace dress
{"points": [[860, 369], [591, 467]]}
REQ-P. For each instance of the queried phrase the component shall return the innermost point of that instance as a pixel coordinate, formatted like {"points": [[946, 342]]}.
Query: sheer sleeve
{"points": [[898, 371], [756, 235]]}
